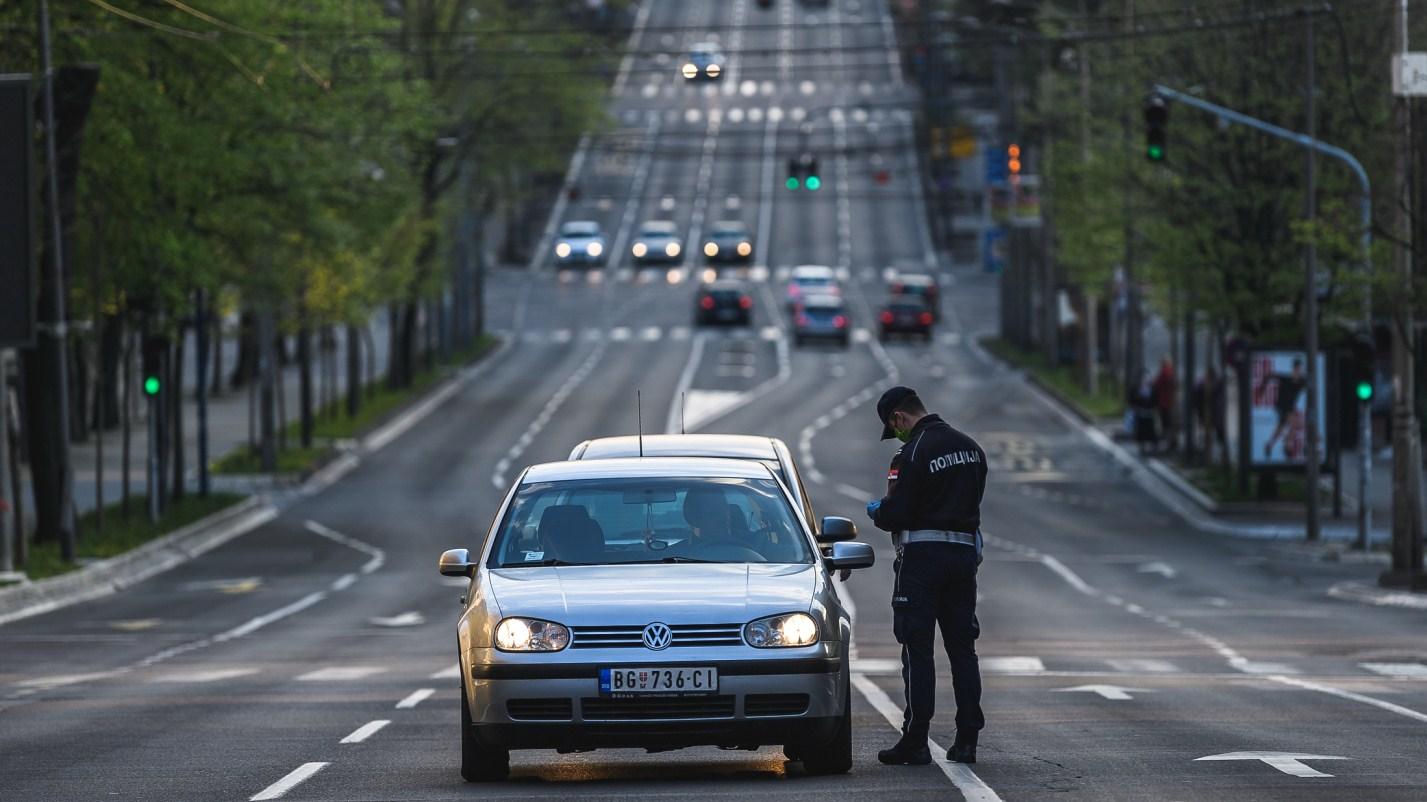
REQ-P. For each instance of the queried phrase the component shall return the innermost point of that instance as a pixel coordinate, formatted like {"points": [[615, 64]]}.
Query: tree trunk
{"points": [[175, 411], [126, 371], [354, 371], [246, 367], [371, 347], [106, 394], [394, 367], [215, 336], [304, 379], [266, 437]]}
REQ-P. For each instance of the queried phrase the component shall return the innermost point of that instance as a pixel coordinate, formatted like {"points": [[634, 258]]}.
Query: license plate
{"points": [[658, 681]]}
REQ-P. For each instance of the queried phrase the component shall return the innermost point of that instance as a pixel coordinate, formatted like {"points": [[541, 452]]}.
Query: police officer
{"points": [[933, 509]]}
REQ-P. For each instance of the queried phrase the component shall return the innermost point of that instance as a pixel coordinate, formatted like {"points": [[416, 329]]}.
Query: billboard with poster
{"points": [[1278, 432]]}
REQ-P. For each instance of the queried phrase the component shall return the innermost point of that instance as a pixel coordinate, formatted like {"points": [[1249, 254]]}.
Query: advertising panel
{"points": [[1279, 434]]}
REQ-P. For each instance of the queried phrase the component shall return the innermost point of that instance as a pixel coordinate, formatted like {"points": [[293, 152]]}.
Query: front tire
{"points": [[835, 755], [479, 763]]}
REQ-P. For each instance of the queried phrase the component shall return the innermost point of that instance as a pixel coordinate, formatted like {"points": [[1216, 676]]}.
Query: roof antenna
{"points": [[639, 417], [683, 404]]}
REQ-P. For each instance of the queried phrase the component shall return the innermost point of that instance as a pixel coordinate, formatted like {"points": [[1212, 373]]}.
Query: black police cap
{"points": [[888, 404]]}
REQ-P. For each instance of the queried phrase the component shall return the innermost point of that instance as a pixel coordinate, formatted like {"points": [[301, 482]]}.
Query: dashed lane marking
{"points": [[213, 675], [294, 778], [135, 624], [1396, 669], [451, 672], [340, 673], [415, 698], [365, 731], [1012, 665]]}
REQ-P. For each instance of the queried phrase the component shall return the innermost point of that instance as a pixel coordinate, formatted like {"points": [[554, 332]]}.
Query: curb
{"points": [[175, 548], [1172, 492], [134, 566], [1379, 597]]}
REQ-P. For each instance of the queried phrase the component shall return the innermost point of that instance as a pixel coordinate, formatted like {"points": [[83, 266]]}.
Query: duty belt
{"points": [[937, 536]]}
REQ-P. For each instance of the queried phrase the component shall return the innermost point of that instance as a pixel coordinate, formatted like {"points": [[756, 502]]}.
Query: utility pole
{"points": [[1406, 446], [1134, 329], [7, 529], [1090, 323], [200, 355], [1310, 300], [58, 329]]}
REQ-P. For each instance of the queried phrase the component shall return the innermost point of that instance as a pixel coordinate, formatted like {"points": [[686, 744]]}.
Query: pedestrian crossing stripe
{"points": [[1396, 669], [637, 120]]}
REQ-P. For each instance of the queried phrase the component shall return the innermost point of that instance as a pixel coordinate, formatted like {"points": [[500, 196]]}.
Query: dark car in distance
{"points": [[725, 303], [919, 284], [906, 314]]}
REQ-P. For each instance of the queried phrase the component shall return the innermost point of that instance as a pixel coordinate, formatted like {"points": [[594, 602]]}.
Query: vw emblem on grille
{"points": [[658, 636]]}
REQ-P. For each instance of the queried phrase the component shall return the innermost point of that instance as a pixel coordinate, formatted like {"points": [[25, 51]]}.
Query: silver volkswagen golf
{"points": [[655, 603]]}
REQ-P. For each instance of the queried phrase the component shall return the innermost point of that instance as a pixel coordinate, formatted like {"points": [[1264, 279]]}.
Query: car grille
{"points": [[775, 704], [540, 709], [622, 637], [654, 709]]}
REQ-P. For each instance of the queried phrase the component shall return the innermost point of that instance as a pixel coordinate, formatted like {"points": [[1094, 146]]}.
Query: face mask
{"points": [[902, 434]]}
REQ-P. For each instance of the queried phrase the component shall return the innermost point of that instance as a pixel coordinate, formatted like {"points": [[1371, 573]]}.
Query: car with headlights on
{"points": [[656, 603], [729, 241], [580, 242], [705, 62], [657, 242]]}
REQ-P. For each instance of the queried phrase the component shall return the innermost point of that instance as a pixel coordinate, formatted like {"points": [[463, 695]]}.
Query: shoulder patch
{"points": [[892, 475]]}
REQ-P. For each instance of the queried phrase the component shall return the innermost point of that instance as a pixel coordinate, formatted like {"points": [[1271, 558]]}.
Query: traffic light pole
{"points": [[1365, 423]]}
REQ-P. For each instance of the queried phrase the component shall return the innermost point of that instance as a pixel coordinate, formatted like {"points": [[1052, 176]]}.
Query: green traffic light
{"points": [[151, 385], [1364, 391], [814, 183], [1155, 153], [792, 182]]}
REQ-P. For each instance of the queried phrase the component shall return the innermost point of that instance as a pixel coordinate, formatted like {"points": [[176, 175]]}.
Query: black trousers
{"points": [[936, 586]]}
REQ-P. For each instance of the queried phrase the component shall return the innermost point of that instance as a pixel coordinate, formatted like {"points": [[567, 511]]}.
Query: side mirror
{"points": [[836, 529], [850, 555], [456, 562]]}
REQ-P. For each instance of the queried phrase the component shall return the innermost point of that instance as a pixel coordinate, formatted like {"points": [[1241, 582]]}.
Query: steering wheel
{"points": [[729, 551]]}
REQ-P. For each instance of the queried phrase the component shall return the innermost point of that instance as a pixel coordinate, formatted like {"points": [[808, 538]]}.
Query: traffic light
{"points": [[1156, 121], [1013, 160], [152, 360], [1362, 369], [803, 172]]}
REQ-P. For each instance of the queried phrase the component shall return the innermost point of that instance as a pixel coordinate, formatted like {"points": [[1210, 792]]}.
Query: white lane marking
{"points": [[650, 334], [1356, 592], [214, 675], [972, 788], [680, 333], [1163, 569], [640, 20], [1306, 685], [245, 584], [1012, 665], [1113, 692], [1286, 762], [343, 582], [765, 193], [546, 414], [407, 619], [1148, 666], [294, 778], [451, 672], [619, 334], [676, 420], [365, 731], [856, 494], [340, 673], [47, 683], [1396, 669], [378, 557], [415, 698], [872, 665]]}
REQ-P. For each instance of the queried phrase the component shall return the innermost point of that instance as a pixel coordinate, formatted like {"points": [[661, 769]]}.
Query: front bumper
{"points": [[766, 701]]}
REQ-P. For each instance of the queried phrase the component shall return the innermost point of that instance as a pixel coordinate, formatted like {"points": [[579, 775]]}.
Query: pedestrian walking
{"points": [[1165, 388], [1142, 413], [933, 507]]}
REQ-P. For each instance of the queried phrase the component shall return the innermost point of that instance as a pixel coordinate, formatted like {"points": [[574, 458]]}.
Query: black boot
{"points": [[964, 749], [909, 751]]}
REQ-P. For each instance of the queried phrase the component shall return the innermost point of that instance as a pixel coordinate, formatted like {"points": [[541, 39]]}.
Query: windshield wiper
{"points": [[670, 559], [542, 563]]}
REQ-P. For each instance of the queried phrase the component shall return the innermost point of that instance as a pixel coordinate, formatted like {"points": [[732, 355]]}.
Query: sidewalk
{"points": [[227, 424]]}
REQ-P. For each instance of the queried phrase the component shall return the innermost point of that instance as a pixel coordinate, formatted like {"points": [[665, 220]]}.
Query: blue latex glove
{"points": [[872, 507]]}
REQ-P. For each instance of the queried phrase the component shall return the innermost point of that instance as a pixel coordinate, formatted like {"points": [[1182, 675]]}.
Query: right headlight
{"points": [[640, 249], [775, 631], [530, 635], [562, 250]]}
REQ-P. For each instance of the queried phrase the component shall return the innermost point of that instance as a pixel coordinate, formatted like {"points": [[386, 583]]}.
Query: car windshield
{"points": [[643, 520], [728, 232], [579, 230]]}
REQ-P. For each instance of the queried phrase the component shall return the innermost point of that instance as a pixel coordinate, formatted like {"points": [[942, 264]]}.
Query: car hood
{"points": [[637, 594]]}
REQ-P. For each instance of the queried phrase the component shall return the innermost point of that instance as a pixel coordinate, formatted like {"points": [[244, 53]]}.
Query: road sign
{"points": [[1286, 762], [1409, 74]]}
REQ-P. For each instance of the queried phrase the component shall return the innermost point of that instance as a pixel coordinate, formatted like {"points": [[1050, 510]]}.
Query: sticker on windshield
{"points": [[532, 556]]}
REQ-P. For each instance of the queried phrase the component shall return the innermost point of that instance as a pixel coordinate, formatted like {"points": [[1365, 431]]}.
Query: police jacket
{"points": [[936, 481]]}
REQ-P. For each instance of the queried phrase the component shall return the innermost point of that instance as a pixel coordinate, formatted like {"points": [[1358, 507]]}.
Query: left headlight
{"points": [[530, 635], [791, 629], [745, 248], [594, 249]]}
